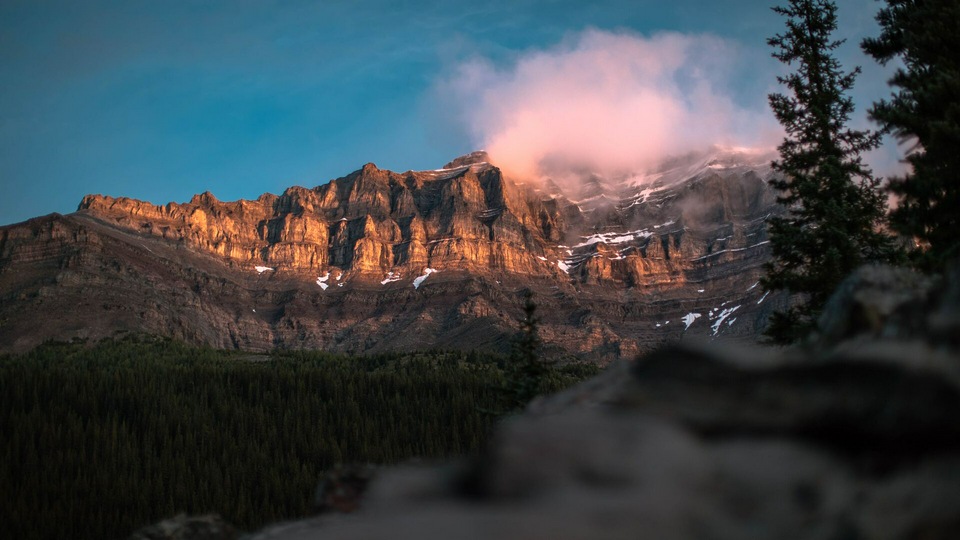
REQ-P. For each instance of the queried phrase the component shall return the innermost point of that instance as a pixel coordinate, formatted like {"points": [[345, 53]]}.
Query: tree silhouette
{"points": [[834, 209], [924, 112]]}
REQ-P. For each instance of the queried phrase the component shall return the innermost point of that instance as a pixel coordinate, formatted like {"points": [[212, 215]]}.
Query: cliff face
{"points": [[366, 225], [378, 260]]}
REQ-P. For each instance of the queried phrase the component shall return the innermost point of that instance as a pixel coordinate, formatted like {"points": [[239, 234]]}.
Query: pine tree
{"points": [[925, 113], [833, 206], [527, 372]]}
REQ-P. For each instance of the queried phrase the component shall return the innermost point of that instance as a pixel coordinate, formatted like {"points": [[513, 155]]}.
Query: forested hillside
{"points": [[97, 441]]}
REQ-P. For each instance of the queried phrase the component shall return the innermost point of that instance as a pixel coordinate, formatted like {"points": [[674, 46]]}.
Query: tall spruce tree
{"points": [[925, 113], [526, 372], [833, 206]]}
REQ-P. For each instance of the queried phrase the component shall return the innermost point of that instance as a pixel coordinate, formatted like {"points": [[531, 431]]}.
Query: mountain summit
{"points": [[379, 260]]}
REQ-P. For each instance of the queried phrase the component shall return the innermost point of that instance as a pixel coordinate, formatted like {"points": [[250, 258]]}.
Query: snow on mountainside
{"points": [[591, 189], [420, 259], [626, 210]]}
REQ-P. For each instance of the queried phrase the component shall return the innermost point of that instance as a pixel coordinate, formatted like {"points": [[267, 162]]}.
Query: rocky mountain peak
{"points": [[204, 199], [478, 156]]}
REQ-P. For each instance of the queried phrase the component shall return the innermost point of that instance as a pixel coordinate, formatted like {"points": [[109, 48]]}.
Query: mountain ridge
{"points": [[377, 260]]}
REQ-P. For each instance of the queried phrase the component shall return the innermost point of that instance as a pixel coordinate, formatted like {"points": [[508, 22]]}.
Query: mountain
{"points": [[379, 260]]}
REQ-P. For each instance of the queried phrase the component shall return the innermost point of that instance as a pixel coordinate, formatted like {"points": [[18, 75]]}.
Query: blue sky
{"points": [[161, 100]]}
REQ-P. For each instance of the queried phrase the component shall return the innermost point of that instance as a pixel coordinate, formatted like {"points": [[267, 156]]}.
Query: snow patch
{"points": [[262, 269], [645, 193], [762, 298], [391, 277], [720, 318], [689, 318], [563, 266], [754, 286], [613, 238], [322, 281], [420, 279]]}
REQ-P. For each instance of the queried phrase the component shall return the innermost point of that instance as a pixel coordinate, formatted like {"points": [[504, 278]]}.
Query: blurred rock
{"points": [[878, 302], [945, 322], [854, 437], [341, 489], [183, 527]]}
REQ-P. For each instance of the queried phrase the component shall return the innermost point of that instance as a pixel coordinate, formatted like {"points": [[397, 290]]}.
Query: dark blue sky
{"points": [[160, 100]]}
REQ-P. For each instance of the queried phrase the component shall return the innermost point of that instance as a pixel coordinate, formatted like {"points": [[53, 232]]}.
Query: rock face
{"points": [[182, 527], [380, 260], [853, 437]]}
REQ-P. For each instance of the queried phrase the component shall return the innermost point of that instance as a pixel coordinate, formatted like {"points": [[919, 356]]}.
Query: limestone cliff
{"points": [[365, 225]]}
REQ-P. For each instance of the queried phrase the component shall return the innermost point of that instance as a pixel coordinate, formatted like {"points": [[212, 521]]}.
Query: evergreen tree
{"points": [[924, 112], [527, 372], [833, 206]]}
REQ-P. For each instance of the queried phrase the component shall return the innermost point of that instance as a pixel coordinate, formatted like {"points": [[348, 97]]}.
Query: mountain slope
{"points": [[379, 260]]}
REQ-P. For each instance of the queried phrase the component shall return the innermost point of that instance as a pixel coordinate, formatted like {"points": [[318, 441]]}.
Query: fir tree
{"points": [[833, 206], [925, 113], [527, 372]]}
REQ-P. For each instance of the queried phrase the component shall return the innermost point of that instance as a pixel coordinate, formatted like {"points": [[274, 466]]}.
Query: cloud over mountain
{"points": [[608, 100]]}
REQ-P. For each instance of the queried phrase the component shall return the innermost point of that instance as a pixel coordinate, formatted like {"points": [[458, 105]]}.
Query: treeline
{"points": [[98, 441]]}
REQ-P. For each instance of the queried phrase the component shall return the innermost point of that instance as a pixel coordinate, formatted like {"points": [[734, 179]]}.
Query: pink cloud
{"points": [[610, 101]]}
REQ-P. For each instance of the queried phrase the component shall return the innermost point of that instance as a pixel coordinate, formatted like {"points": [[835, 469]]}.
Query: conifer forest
{"points": [[100, 440]]}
